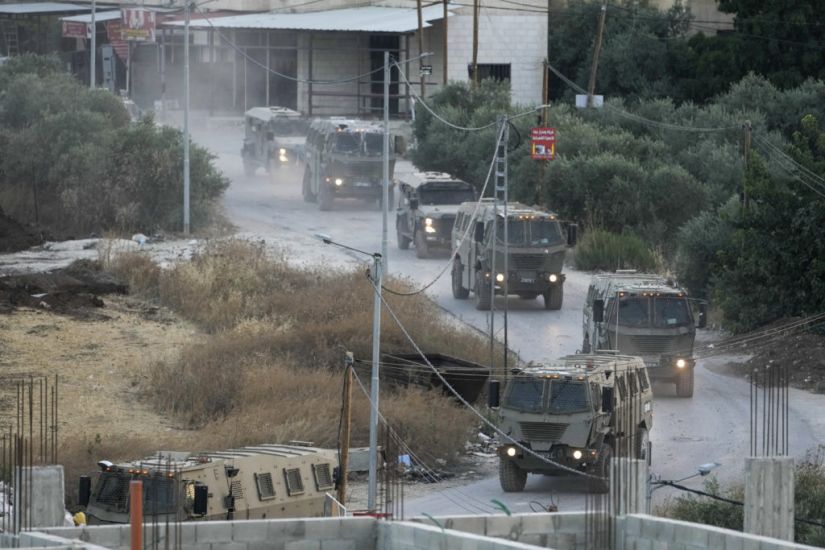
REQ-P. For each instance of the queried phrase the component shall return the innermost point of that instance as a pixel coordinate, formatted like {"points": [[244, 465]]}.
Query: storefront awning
{"points": [[40, 8], [87, 17], [365, 19]]}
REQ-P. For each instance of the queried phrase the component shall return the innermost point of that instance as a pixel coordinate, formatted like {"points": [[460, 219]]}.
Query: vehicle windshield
{"points": [[374, 144], [445, 196], [531, 232], [667, 311], [290, 127], [112, 491], [567, 397], [158, 495], [526, 395], [347, 143]]}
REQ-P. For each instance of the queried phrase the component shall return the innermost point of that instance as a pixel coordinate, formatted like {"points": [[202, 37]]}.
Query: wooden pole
{"points": [[345, 432], [136, 514], [595, 66], [475, 41]]}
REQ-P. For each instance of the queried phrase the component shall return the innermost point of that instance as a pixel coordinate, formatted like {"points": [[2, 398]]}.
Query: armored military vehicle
{"points": [[578, 411], [645, 315], [273, 137], [344, 159], [264, 481], [535, 253], [427, 209]]}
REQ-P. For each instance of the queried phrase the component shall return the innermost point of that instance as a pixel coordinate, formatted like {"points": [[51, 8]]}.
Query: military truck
{"points": [[427, 208], [273, 137], [263, 481], [344, 159], [578, 411], [535, 253], [645, 315]]}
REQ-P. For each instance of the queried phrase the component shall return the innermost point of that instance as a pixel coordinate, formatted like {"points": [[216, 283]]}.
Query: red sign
{"points": [[75, 29], [543, 143], [113, 31], [138, 24]]}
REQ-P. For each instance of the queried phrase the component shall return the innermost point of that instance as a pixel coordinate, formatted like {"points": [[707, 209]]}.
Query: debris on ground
{"points": [[15, 236], [71, 290]]}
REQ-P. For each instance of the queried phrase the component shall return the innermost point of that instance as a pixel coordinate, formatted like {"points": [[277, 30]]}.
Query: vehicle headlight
{"points": [[577, 454], [500, 277], [680, 363], [282, 151], [339, 181], [511, 451], [429, 229], [428, 221], [553, 277]]}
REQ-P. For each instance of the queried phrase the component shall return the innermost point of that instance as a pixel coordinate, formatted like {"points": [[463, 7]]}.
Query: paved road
{"points": [[713, 426]]}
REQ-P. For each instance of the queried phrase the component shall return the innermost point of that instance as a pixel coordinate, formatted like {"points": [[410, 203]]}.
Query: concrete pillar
{"points": [[46, 494], [628, 486], [769, 494]]}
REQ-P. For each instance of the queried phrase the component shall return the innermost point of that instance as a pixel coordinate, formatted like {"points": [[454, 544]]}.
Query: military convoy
{"points": [[427, 209], [579, 412], [264, 481], [535, 253], [273, 136], [645, 315], [344, 159]]}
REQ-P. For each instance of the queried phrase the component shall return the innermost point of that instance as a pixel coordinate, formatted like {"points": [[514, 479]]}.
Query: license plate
{"points": [[362, 184], [527, 280]]}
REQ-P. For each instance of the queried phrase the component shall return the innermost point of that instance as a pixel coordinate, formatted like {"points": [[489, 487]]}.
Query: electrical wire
{"points": [[254, 61], [772, 150], [431, 474]]}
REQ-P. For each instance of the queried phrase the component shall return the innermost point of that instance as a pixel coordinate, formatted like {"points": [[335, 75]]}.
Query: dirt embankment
{"points": [[15, 236]]}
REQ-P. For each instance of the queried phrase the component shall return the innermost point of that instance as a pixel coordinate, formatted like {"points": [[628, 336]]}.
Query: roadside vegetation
{"points": [[809, 502], [74, 164], [272, 366]]}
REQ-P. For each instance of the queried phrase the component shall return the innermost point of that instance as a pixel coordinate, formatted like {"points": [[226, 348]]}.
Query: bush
{"points": [[606, 251]]}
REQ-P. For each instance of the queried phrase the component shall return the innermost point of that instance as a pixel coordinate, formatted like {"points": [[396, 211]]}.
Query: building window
{"points": [[496, 71]]}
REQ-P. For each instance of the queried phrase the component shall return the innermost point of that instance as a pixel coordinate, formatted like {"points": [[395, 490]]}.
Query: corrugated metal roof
{"points": [[365, 19], [87, 17], [40, 8]]}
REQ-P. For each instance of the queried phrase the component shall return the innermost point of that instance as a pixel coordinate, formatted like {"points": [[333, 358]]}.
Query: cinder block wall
{"points": [[402, 535], [640, 531], [561, 531]]}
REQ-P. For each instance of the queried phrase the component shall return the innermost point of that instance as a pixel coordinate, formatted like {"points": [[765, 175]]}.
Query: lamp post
{"points": [[654, 483], [186, 17], [93, 46], [376, 349]]}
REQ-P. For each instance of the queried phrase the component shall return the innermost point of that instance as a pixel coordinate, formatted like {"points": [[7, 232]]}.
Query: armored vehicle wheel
{"points": [[248, 169], [421, 248], [553, 297], [482, 293], [510, 476], [642, 445], [403, 240], [305, 189], [601, 469], [684, 384], [325, 198], [528, 295], [459, 292]]}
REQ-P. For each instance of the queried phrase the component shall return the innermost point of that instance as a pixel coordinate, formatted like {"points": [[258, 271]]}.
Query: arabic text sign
{"points": [[138, 25], [543, 143]]}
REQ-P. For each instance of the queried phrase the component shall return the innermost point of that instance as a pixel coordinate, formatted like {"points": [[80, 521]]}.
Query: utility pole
{"points": [[385, 192], [747, 137], [595, 66], [93, 45], [343, 466], [421, 48], [376, 351], [475, 41], [444, 20], [186, 118], [500, 191]]}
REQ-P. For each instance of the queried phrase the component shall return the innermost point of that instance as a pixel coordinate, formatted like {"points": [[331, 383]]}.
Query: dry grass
{"points": [[271, 369]]}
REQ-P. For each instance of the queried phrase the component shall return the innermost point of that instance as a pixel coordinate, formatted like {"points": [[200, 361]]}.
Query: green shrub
{"points": [[603, 250]]}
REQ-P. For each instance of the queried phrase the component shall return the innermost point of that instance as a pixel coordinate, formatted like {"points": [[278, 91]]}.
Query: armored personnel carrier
{"points": [[579, 412], [273, 137], [644, 315], [263, 481]]}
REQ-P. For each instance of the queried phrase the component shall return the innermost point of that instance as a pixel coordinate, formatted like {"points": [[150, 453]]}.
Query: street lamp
{"points": [[376, 340], [654, 483]]}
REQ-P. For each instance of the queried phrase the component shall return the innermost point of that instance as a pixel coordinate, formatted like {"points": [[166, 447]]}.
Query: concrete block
{"points": [[339, 545], [48, 491], [690, 534], [536, 524], [285, 529], [533, 539], [110, 536], [213, 531], [503, 526], [265, 545], [465, 524], [250, 531], [631, 525], [324, 528], [303, 545], [769, 497]]}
